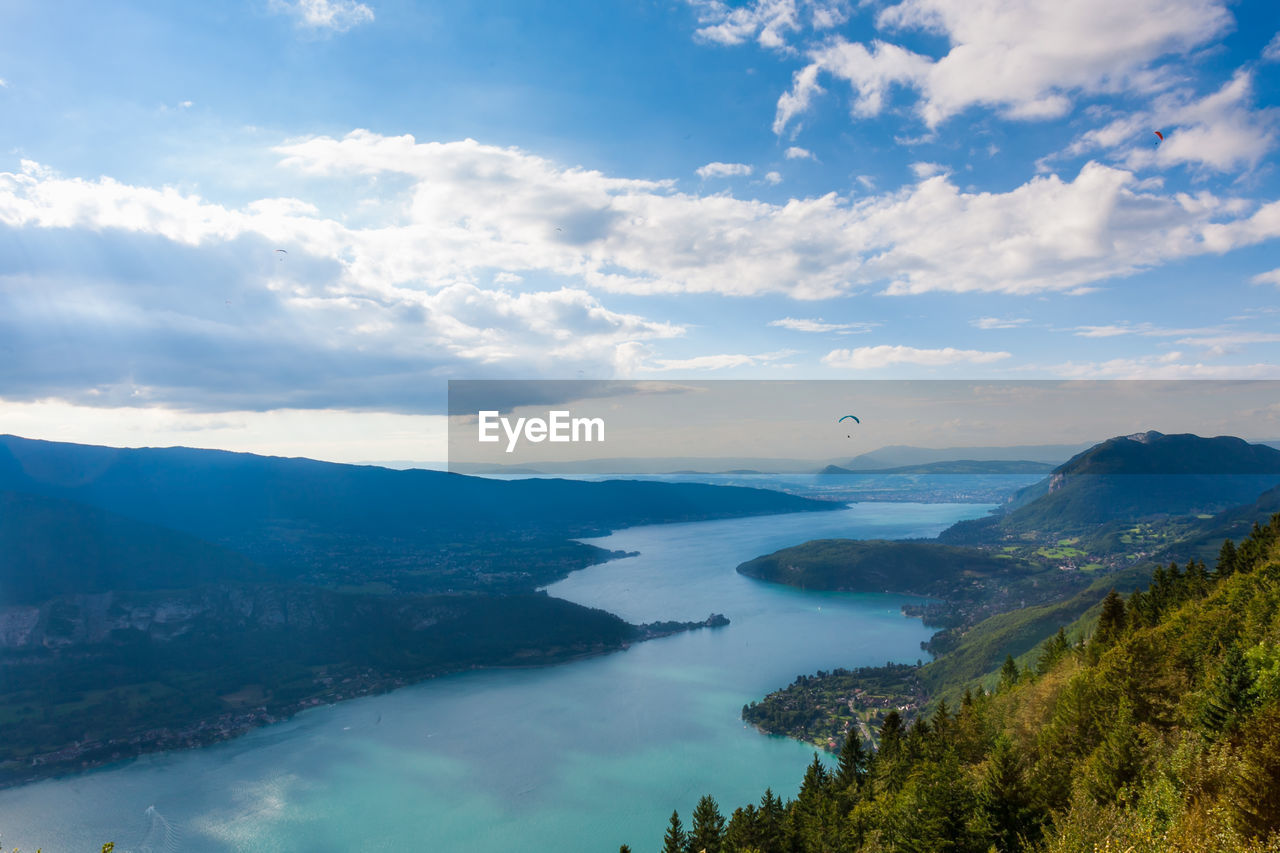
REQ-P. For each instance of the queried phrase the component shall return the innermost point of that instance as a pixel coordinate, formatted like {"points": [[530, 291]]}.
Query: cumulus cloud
{"points": [[723, 170], [767, 22], [795, 152], [773, 178], [869, 358], [469, 211], [924, 170], [333, 15], [1026, 58], [819, 325], [1221, 131], [1269, 277], [1271, 53], [999, 322]]}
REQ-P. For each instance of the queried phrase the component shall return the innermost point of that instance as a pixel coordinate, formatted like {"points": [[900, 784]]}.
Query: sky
{"points": [[283, 225], [771, 419]]}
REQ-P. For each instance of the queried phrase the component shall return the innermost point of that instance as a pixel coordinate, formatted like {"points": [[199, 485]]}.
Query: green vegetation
{"points": [[822, 709], [1159, 733], [878, 565], [100, 679], [140, 588], [320, 523]]}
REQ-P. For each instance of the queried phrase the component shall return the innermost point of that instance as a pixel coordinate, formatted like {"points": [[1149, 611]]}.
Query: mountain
{"points": [[902, 455], [54, 547], [1155, 728], [625, 466], [955, 466], [1146, 474], [159, 598], [424, 531]]}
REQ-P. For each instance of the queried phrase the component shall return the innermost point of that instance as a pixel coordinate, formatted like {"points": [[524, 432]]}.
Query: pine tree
{"points": [[1228, 694], [769, 818], [1226, 559], [942, 721], [675, 838], [816, 782], [707, 833], [852, 763], [1008, 673], [1111, 622], [1004, 799], [1055, 649], [1116, 762], [742, 832]]}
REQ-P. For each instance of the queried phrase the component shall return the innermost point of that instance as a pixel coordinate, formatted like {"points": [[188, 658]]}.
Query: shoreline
{"points": [[93, 756]]}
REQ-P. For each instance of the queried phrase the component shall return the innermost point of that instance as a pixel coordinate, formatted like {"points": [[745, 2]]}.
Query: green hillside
{"points": [[878, 565], [1160, 733]]}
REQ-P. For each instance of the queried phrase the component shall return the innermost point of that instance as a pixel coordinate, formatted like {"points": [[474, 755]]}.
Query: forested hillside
{"points": [[1159, 733]]}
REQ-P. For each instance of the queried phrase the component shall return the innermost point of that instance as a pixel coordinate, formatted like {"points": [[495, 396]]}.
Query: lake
{"points": [[578, 757]]}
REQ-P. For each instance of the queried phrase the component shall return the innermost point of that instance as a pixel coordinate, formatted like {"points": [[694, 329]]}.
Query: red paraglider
{"points": [[1159, 134]]}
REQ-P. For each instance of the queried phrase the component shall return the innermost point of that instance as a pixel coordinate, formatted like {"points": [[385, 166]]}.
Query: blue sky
{"points": [[684, 189]]}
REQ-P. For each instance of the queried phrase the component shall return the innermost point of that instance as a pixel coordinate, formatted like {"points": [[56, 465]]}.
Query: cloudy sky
{"points": [[649, 189]]}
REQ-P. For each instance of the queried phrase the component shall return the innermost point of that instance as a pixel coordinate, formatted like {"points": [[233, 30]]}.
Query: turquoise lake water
{"points": [[578, 757]]}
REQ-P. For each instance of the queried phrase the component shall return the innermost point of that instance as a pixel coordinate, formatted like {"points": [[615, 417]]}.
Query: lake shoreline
{"points": [[91, 756]]}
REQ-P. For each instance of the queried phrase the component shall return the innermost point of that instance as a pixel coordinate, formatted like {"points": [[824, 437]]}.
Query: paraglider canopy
{"points": [[1159, 134], [846, 417]]}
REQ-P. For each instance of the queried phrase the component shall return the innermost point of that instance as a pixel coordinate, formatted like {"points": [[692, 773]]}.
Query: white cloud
{"points": [[819, 325], [1166, 366], [1146, 330], [1026, 58], [715, 362], [723, 170], [768, 22], [1270, 277], [335, 15], [4, 84], [999, 322], [328, 434], [1102, 331], [927, 170], [1220, 131], [773, 178], [797, 153], [867, 358], [1271, 53], [467, 212], [1230, 342]]}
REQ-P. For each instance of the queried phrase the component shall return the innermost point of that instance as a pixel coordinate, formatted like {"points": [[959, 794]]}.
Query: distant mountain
{"points": [[958, 466], [625, 466], [903, 455], [54, 547], [166, 598], [326, 522], [1135, 476]]}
